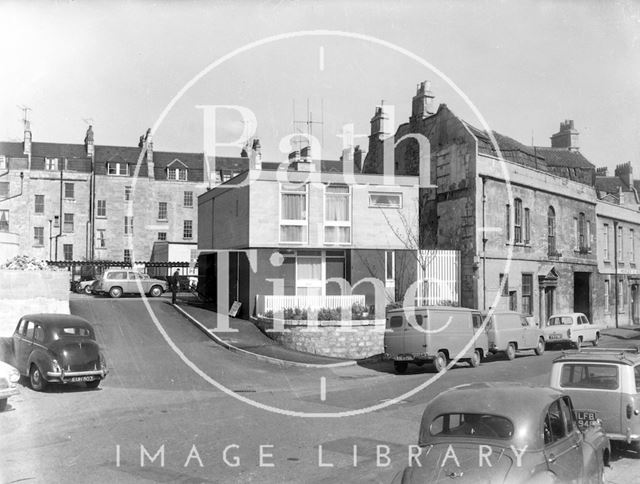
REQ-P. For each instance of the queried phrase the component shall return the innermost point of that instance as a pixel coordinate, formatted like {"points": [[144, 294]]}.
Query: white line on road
{"points": [[323, 388]]}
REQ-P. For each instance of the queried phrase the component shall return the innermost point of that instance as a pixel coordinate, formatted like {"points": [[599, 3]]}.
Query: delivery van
{"points": [[435, 334]]}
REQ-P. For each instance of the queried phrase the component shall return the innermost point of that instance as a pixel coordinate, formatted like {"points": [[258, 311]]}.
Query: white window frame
{"points": [[51, 164], [605, 246], [126, 256], [104, 208], [606, 295], [297, 223], [160, 211], [72, 189], [187, 197], [620, 236], [38, 241], [118, 169], [128, 225], [632, 245], [64, 251], [184, 229], [3, 163], [374, 204], [128, 191], [390, 281], [65, 223], [101, 238], [337, 223], [36, 205], [164, 236]]}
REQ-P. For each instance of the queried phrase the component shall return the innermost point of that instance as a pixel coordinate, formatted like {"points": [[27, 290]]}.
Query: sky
{"points": [[125, 66]]}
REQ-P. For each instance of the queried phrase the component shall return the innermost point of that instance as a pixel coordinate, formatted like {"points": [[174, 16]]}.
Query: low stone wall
{"points": [[28, 292], [351, 339]]}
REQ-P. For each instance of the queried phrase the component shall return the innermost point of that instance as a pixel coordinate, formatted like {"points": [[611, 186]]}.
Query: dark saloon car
{"points": [[506, 433], [58, 348]]}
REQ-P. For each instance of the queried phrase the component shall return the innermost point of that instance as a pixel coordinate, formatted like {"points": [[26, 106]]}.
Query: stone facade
{"points": [[350, 339]]}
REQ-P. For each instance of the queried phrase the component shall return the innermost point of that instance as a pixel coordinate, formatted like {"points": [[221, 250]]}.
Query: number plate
{"points": [[404, 358], [82, 378], [554, 336], [586, 418]]}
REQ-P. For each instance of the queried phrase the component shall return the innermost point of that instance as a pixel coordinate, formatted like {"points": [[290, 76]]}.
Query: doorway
{"points": [[582, 293]]}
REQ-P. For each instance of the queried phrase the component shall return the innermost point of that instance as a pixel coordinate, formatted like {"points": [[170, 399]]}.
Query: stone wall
{"points": [[28, 292], [362, 339]]}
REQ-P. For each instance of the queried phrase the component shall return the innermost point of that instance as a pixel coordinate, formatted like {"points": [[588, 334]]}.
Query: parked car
{"points": [[434, 334], [604, 384], [509, 332], [9, 377], [117, 282], [58, 348], [505, 432], [84, 286], [571, 328]]}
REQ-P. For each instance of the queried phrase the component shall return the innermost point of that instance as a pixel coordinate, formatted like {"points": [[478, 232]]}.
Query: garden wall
{"points": [[28, 292], [362, 339]]}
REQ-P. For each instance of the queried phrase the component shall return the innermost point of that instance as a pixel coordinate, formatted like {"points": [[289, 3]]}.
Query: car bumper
{"points": [[8, 392], [76, 376]]}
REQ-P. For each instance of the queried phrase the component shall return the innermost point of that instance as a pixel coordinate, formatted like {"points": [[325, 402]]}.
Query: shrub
{"points": [[27, 263]]}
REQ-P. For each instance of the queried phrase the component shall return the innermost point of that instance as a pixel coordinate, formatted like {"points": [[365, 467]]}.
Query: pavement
{"points": [[249, 340]]}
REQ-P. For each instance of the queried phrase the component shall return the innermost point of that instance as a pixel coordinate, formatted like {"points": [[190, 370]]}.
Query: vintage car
{"points": [[604, 384], [509, 332], [505, 432], [9, 377], [117, 282], [571, 328], [58, 348], [84, 287]]}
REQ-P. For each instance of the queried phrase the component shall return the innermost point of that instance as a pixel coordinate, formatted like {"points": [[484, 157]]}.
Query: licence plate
{"points": [[404, 358], [82, 378], [586, 418], [554, 336]]}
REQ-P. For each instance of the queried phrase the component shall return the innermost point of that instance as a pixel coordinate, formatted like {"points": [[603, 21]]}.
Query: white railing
{"points": [[439, 272], [278, 303]]}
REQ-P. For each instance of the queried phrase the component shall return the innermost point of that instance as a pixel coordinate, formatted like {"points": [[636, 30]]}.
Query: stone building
{"points": [[523, 217], [618, 227], [61, 201]]}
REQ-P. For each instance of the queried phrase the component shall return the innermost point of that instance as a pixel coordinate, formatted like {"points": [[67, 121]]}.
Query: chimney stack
{"points": [[422, 105], [88, 141], [382, 122], [566, 137], [625, 173], [27, 137]]}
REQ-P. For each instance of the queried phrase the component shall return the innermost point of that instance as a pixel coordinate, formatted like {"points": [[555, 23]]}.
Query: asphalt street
{"points": [[176, 407]]}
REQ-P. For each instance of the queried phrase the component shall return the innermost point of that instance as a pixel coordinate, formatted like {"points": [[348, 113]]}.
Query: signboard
{"points": [[235, 307]]}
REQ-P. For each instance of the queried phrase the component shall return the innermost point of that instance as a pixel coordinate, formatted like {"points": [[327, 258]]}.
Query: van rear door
{"points": [[415, 341], [394, 334]]}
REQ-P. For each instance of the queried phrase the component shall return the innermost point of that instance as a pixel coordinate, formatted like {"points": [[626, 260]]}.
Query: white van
{"points": [[509, 332], [434, 334]]}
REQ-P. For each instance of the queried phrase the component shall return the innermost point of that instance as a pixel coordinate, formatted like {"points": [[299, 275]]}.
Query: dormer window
{"points": [[176, 170], [118, 169]]}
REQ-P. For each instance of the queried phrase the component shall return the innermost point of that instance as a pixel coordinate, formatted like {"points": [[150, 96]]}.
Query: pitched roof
{"points": [[564, 158], [610, 184]]}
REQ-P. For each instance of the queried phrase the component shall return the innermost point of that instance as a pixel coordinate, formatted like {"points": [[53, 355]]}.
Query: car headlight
{"points": [[103, 362], [55, 366]]}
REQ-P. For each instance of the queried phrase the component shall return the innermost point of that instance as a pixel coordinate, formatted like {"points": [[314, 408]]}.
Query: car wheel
{"points": [[115, 292], [87, 289], [597, 340], [440, 361], [3, 404], [541, 347], [474, 361], [400, 366], [38, 383], [155, 291], [511, 351], [93, 384]]}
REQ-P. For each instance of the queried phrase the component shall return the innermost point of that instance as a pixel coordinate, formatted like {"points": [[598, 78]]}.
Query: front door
{"points": [[582, 293]]}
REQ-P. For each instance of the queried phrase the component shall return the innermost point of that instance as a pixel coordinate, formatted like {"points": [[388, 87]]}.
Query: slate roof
{"points": [[563, 157], [611, 184]]}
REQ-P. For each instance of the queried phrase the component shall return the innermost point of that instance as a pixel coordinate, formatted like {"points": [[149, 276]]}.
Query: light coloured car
{"points": [[505, 432], [9, 377], [604, 385], [84, 286], [509, 332], [117, 282], [571, 328]]}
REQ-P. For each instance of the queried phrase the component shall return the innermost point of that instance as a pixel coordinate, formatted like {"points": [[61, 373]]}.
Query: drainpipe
{"points": [[484, 247], [60, 213], [615, 265]]}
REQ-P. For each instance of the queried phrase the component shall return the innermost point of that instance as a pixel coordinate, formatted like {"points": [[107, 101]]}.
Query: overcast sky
{"points": [[524, 65]]}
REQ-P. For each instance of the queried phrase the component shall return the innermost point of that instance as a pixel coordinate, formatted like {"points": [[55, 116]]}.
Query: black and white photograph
{"points": [[288, 241]]}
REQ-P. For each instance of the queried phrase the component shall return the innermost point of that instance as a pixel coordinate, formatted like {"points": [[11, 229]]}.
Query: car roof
{"points": [[626, 356], [58, 320], [561, 315]]}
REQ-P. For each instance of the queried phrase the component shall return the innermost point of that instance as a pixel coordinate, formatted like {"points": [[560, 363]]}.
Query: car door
{"points": [[17, 341], [414, 335], [529, 336], [584, 329], [562, 443], [24, 347], [394, 334]]}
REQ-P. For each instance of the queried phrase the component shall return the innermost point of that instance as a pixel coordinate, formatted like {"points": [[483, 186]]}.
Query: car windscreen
{"points": [[560, 320], [473, 425], [589, 375]]}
